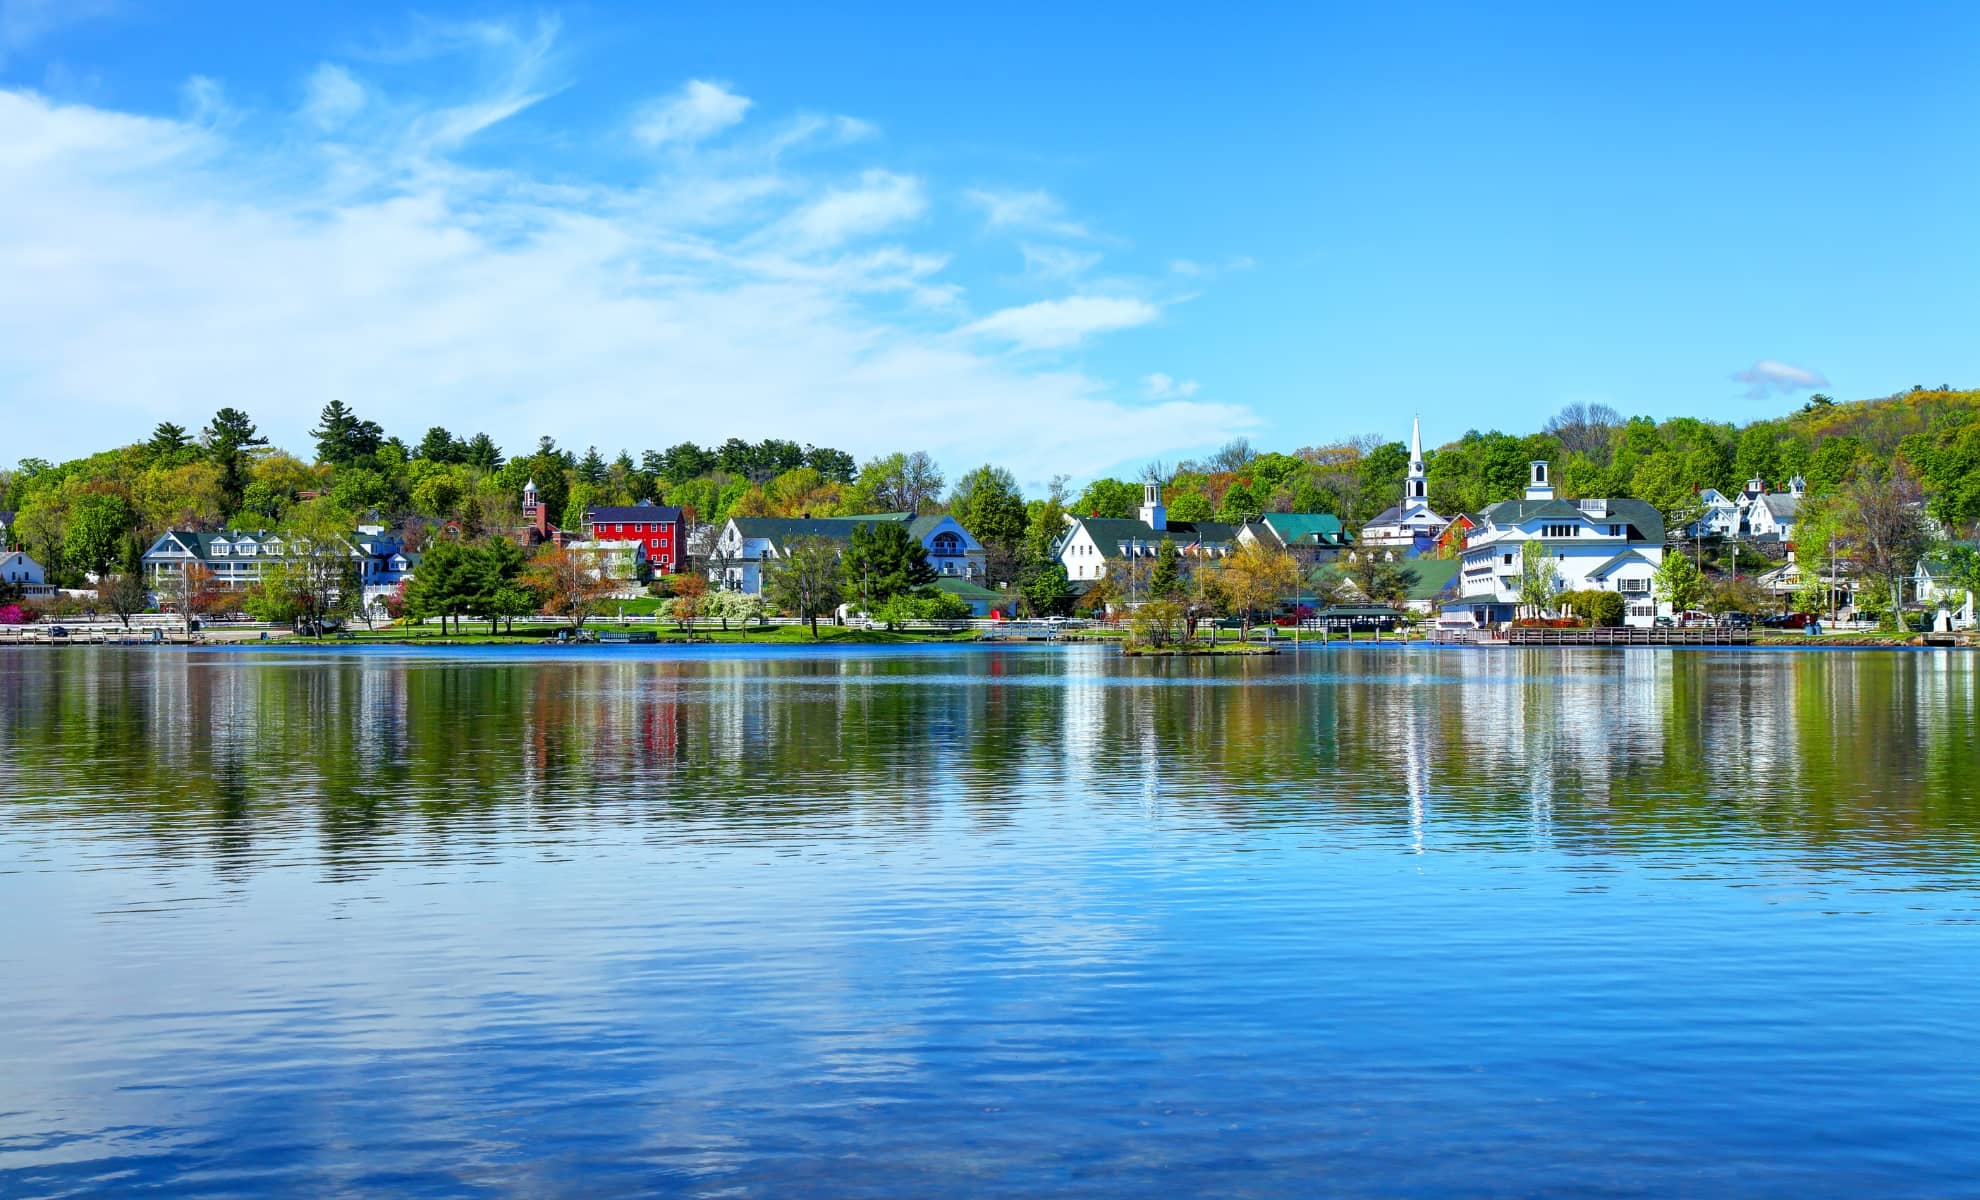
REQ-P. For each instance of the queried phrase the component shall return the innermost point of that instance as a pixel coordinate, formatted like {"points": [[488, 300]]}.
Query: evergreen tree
{"points": [[341, 438], [229, 440], [167, 439], [1165, 581], [482, 453], [883, 561], [439, 446], [591, 468]]}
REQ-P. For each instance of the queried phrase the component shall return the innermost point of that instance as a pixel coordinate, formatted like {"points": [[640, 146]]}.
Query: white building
{"points": [[1089, 542], [619, 562], [1765, 514], [238, 558], [1411, 524], [17, 570], [1721, 518], [747, 545], [1934, 590], [1606, 545]]}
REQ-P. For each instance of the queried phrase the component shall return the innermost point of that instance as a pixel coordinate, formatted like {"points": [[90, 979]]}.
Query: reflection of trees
{"points": [[237, 756]]}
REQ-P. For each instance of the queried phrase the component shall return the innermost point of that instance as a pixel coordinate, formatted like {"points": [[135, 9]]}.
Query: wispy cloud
{"points": [[331, 97], [1769, 378], [1162, 387], [157, 268], [1056, 324], [1057, 262], [699, 110], [879, 201], [1037, 212], [25, 22]]}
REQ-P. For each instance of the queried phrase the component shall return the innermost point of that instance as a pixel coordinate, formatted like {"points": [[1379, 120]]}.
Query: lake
{"points": [[930, 921]]}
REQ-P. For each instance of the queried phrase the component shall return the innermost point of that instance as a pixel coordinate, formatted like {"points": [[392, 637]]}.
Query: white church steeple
{"points": [[1419, 487]]}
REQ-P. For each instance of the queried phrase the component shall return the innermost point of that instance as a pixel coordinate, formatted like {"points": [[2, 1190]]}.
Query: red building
{"points": [[659, 526]]}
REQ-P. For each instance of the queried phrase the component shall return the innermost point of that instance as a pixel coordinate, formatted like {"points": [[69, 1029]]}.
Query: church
{"points": [[1410, 525]]}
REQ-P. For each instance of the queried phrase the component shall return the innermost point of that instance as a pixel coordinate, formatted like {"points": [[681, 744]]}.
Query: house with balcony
{"points": [[748, 546], [1606, 545], [239, 558]]}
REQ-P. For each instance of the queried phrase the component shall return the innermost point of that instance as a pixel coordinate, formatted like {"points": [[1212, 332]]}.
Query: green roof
{"points": [[967, 589], [1310, 528], [1427, 578], [1648, 521], [783, 530], [1110, 532]]}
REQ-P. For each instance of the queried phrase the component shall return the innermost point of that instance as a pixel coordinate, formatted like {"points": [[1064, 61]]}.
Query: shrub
{"points": [[1156, 623]]}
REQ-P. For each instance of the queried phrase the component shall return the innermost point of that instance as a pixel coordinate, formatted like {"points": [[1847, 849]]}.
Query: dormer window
{"points": [[219, 549]]}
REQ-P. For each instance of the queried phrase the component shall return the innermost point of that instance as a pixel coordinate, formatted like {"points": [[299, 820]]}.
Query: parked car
{"points": [[1736, 620], [56, 631], [1786, 621]]}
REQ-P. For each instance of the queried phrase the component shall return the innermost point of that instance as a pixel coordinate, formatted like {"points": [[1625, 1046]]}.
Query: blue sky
{"points": [[1066, 238]]}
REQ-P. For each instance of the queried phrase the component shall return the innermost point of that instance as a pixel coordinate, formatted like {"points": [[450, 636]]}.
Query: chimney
{"points": [[1537, 485], [1153, 514]]}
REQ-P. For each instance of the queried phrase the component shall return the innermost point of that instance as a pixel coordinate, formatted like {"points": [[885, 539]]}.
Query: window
{"points": [[219, 549], [1559, 531], [1633, 585], [1615, 531], [1508, 560]]}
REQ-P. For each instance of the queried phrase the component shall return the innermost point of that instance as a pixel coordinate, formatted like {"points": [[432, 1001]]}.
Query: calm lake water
{"points": [[954, 921]]}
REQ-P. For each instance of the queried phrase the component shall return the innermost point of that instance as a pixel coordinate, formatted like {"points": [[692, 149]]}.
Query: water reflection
{"points": [[1015, 922], [212, 752]]}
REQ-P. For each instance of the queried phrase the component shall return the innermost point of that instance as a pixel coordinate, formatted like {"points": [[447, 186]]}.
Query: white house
{"points": [[1606, 545], [17, 570], [622, 562], [1088, 542], [238, 558], [1935, 590], [1721, 518], [1765, 514], [1411, 524], [747, 545]]}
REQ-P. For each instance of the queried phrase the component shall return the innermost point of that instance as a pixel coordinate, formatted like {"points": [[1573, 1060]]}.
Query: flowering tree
{"points": [[573, 586]]}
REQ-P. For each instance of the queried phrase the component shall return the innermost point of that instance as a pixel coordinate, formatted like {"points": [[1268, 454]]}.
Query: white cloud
{"points": [[157, 269], [1769, 378], [1057, 262], [1039, 212], [1163, 386], [331, 97], [881, 200], [698, 111], [1056, 324]]}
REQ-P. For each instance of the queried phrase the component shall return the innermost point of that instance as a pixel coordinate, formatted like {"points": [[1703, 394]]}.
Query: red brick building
{"points": [[659, 526]]}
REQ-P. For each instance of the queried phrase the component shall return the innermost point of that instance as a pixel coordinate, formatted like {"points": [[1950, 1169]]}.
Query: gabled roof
{"points": [[644, 511], [1428, 578], [1305, 529], [1112, 531], [1781, 505], [1396, 514], [781, 531], [1626, 557]]}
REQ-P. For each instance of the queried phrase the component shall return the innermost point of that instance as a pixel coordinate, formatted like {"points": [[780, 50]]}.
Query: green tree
{"points": [[167, 440], [988, 504], [230, 441], [439, 446], [806, 583], [1679, 583], [883, 560], [1114, 498], [1539, 577], [1165, 579], [1239, 505], [482, 453], [98, 525], [342, 438]]}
